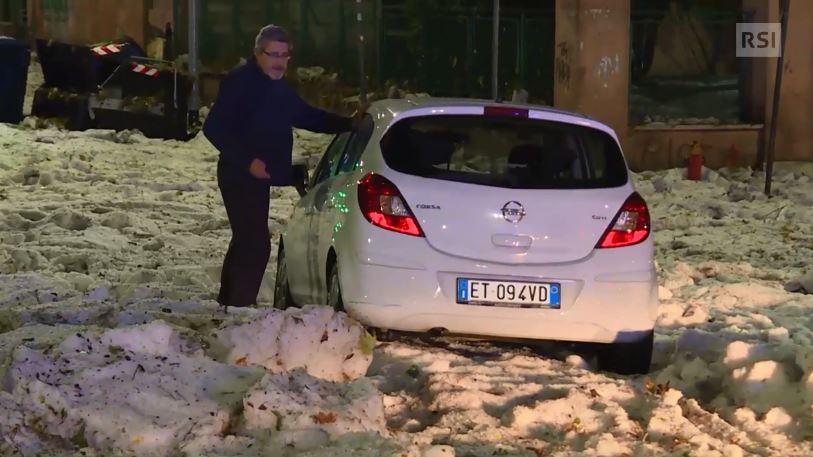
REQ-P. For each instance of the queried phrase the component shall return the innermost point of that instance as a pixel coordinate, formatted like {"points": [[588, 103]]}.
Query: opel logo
{"points": [[513, 212]]}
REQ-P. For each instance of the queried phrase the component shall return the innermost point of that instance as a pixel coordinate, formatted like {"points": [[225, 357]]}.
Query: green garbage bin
{"points": [[14, 59]]}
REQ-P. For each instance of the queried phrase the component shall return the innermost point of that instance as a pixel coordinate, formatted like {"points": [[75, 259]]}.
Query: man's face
{"points": [[274, 59]]}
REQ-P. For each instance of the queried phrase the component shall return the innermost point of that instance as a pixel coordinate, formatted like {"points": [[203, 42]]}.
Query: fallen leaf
{"points": [[367, 343], [655, 388], [324, 418], [575, 426]]}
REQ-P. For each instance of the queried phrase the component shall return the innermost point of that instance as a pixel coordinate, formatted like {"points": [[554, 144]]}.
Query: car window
{"points": [[330, 161], [358, 142], [504, 152]]}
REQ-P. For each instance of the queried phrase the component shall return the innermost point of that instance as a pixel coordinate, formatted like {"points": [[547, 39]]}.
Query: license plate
{"points": [[508, 293]]}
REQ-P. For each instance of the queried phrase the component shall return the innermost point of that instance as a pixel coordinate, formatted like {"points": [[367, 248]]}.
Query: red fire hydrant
{"points": [[695, 169]]}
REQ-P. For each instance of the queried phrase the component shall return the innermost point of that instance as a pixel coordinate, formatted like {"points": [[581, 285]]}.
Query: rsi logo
{"points": [[759, 39], [764, 40]]}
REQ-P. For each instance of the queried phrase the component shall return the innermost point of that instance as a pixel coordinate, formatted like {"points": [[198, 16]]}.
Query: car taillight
{"points": [[630, 226], [384, 206], [505, 111]]}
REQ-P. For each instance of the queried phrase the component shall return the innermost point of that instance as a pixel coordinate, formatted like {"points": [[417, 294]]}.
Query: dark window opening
{"points": [[683, 64]]}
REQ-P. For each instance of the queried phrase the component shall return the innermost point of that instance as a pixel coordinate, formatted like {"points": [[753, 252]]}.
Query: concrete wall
{"points": [[591, 70], [8, 29], [658, 148], [159, 12], [794, 139], [91, 21], [592, 77]]}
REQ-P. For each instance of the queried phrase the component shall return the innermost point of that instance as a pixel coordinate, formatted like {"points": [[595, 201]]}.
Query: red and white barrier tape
{"points": [[145, 70], [107, 49]]}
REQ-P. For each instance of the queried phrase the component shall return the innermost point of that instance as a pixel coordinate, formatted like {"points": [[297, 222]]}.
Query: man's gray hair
{"points": [[271, 33]]}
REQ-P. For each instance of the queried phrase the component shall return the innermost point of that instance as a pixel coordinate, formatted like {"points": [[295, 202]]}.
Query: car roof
{"points": [[391, 108]]}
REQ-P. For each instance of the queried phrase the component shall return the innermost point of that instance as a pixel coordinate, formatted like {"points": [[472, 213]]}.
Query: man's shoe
{"points": [[225, 308]]}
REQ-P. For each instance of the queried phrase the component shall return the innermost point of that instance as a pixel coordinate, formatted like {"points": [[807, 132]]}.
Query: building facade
{"points": [[663, 73]]}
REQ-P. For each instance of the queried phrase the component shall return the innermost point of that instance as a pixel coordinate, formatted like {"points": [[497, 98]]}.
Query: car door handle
{"points": [[512, 241]]}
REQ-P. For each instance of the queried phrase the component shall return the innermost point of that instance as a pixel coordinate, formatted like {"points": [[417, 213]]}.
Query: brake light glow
{"points": [[383, 205], [505, 111], [630, 226]]}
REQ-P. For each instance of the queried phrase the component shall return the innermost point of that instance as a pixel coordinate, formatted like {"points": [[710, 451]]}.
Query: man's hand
{"points": [[358, 116], [257, 169]]}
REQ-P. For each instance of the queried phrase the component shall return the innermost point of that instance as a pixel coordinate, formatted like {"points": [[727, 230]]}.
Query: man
{"points": [[250, 124]]}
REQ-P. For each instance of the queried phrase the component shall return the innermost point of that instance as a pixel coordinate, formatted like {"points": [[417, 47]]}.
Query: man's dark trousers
{"points": [[246, 202]]}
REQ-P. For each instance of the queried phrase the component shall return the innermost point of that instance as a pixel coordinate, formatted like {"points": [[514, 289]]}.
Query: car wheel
{"points": [[334, 289], [628, 358], [282, 291]]}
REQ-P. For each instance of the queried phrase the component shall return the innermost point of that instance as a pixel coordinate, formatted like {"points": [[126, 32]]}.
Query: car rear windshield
{"points": [[507, 152]]}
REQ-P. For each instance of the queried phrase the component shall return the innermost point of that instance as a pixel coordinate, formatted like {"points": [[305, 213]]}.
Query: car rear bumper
{"points": [[615, 302], [499, 322]]}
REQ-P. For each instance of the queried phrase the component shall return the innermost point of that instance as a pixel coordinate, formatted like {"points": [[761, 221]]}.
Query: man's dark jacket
{"points": [[252, 118]]}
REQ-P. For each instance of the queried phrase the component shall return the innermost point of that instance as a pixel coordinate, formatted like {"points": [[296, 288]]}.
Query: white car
{"points": [[478, 218]]}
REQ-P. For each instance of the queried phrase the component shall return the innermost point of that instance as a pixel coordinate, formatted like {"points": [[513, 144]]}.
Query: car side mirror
{"points": [[301, 178]]}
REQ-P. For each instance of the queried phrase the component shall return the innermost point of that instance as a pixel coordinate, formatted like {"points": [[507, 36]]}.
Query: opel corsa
{"points": [[482, 219]]}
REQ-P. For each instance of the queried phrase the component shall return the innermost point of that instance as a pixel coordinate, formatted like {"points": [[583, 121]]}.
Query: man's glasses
{"points": [[277, 55]]}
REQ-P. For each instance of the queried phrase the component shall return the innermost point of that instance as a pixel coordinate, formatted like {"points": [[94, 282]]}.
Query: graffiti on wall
{"points": [[607, 66], [562, 71]]}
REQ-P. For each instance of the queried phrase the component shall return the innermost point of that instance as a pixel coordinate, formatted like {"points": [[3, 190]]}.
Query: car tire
{"points": [[334, 289], [628, 358], [282, 290]]}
